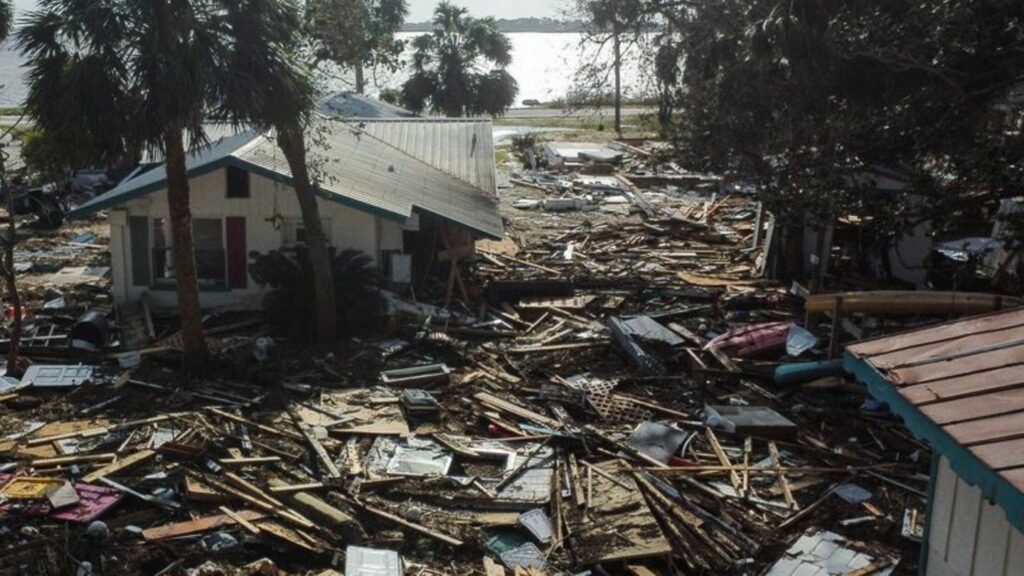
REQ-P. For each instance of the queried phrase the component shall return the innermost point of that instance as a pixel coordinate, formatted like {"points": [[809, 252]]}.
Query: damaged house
{"points": [[409, 192]]}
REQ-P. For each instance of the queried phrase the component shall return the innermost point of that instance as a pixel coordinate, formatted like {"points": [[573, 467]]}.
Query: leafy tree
{"points": [[265, 85], [358, 34], [803, 96], [622, 23], [48, 158], [460, 68], [127, 75]]}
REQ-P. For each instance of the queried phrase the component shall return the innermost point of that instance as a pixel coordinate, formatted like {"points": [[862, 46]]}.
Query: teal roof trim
{"points": [[326, 195], [93, 207], [972, 470]]}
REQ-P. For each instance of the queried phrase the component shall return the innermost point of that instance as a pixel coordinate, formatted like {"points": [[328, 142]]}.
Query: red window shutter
{"points": [[238, 275]]}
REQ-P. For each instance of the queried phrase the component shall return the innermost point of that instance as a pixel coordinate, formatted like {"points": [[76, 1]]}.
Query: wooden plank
{"points": [[504, 406], [78, 458], [250, 460], [492, 569], [120, 465], [444, 538], [290, 488], [256, 425], [249, 526], [734, 478], [197, 526], [1004, 378], [285, 534], [783, 482], [318, 448]]}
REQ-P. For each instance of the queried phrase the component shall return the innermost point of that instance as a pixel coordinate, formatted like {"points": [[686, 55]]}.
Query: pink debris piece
{"points": [[93, 502]]}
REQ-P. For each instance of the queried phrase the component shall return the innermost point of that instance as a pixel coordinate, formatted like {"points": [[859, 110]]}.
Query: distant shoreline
{"points": [[535, 25]]}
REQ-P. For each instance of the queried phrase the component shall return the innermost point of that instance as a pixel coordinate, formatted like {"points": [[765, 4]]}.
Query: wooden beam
{"points": [[197, 526], [120, 465]]}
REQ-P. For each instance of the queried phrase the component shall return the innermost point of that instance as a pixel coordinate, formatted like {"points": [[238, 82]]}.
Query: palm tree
{"points": [[6, 19], [265, 86], [132, 74], [459, 69]]}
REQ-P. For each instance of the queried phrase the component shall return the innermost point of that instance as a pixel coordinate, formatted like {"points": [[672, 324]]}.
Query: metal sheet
{"points": [[956, 347], [960, 366], [1005, 378], [45, 376], [1001, 455], [1004, 427], [370, 562], [938, 333], [976, 407]]}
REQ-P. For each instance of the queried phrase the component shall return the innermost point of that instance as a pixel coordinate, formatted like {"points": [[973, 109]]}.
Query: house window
{"points": [[293, 232], [238, 182], [211, 260]]}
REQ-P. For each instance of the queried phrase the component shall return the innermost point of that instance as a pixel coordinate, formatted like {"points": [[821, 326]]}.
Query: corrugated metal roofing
{"points": [[460, 147], [352, 105], [960, 385], [357, 169]]}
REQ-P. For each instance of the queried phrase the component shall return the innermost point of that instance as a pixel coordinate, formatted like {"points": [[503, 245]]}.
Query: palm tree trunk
{"points": [[10, 279], [360, 79], [617, 42], [292, 143], [193, 338]]}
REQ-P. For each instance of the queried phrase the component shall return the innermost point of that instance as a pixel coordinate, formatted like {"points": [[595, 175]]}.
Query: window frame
{"points": [[228, 188], [205, 285]]}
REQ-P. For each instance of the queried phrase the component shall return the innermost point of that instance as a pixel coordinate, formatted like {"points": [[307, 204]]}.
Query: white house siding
{"points": [[968, 536], [347, 228]]}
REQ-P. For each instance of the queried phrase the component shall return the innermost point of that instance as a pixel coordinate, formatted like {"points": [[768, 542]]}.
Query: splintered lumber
{"points": [[492, 569], [289, 535], [197, 491], [783, 483], [256, 425], [455, 446], [198, 525], [872, 568], [249, 526], [724, 459], [618, 525], [523, 262], [120, 465], [522, 465], [255, 496], [558, 347], [318, 448], [339, 521], [454, 542], [290, 488], [496, 403], [248, 461], [63, 460]]}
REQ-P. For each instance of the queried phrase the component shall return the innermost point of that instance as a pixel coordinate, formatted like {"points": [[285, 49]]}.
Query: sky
{"points": [[421, 10]]}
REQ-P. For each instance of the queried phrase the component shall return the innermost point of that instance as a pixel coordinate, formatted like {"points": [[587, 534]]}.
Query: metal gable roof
{"points": [[960, 386], [356, 169], [460, 147], [353, 105]]}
